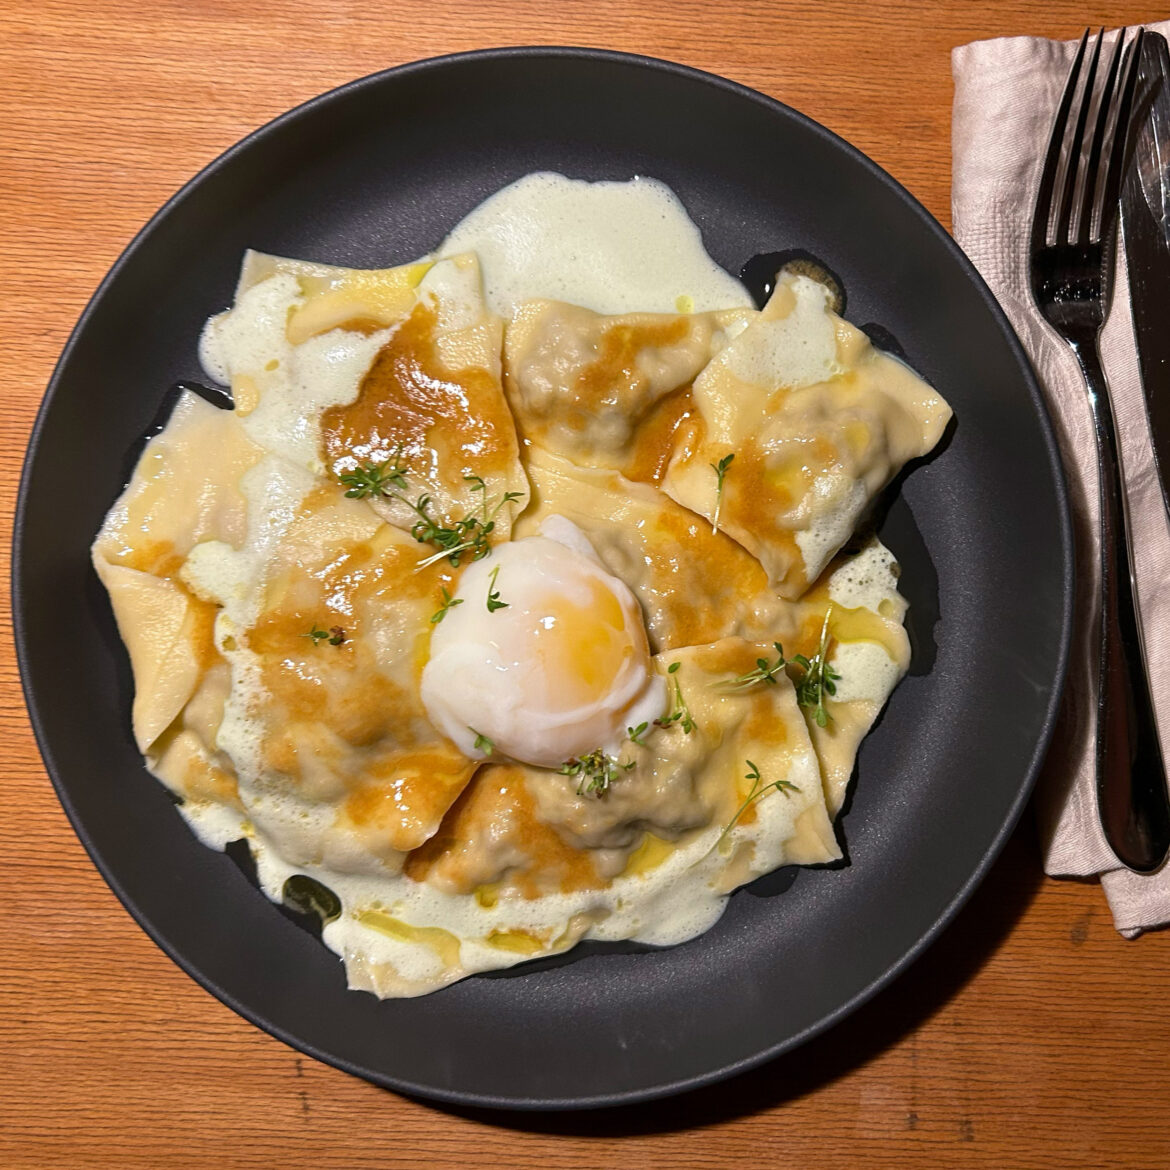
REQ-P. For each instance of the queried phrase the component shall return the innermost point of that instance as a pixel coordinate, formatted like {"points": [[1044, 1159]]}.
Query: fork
{"points": [[1071, 270]]}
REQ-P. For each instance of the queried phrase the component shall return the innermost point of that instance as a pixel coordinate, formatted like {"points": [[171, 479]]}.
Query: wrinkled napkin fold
{"points": [[1006, 94]]}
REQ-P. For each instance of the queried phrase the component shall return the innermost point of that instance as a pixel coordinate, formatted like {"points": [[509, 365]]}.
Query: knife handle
{"points": [[1132, 798]]}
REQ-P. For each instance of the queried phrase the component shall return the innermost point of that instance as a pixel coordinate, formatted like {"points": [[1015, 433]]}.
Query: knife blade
{"points": [[1145, 219]]}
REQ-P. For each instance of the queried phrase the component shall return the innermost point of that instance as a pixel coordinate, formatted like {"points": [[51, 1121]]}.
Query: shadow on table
{"points": [[936, 978]]}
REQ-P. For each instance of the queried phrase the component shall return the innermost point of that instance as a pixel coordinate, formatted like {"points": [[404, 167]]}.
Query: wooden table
{"points": [[1030, 1035]]}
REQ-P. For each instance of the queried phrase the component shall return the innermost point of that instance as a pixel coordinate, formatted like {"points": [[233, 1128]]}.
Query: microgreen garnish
{"points": [[449, 602], [596, 772], [817, 678], [375, 479], [493, 597], [634, 734], [820, 679], [335, 635], [758, 789], [482, 743], [765, 672], [680, 713], [720, 470], [470, 534], [451, 542]]}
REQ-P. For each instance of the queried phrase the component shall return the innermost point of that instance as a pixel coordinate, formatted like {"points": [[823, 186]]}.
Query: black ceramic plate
{"points": [[374, 174]]}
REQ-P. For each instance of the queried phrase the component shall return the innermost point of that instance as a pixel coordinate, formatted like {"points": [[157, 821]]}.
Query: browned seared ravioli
{"points": [[605, 391], [336, 756], [235, 541], [221, 562], [815, 422], [811, 419], [696, 586], [337, 369], [342, 777]]}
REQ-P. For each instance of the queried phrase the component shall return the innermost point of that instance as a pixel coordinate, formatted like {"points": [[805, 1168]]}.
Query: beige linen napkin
{"points": [[1006, 94]]}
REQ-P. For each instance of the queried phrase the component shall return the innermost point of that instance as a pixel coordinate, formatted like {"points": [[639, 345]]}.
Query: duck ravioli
{"points": [[798, 423], [490, 634]]}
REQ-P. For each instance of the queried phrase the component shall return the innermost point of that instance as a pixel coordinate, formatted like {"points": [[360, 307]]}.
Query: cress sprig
{"points": [[493, 594], [765, 672], [335, 635], [375, 479], [820, 679], [595, 771], [448, 603], [758, 789], [817, 680], [598, 770], [467, 535], [470, 533], [720, 470], [680, 713]]}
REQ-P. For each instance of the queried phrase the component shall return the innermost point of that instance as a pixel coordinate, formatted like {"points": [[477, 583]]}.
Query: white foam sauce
{"points": [[837, 502], [610, 247], [866, 581], [294, 383], [798, 348], [673, 902]]}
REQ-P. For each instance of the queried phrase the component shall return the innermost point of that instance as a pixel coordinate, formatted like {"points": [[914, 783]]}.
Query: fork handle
{"points": [[1132, 798]]}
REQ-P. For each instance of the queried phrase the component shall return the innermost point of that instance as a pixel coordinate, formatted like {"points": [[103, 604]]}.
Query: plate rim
{"points": [[1051, 450]]}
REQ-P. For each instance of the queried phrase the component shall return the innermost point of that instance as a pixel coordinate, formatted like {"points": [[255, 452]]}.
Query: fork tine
{"points": [[1111, 188], [1107, 102], [1043, 210], [1073, 166]]}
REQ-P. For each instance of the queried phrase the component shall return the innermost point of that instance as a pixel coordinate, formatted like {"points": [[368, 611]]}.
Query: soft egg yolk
{"points": [[582, 649]]}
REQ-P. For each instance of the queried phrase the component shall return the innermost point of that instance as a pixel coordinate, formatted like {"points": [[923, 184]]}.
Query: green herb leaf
{"points": [[765, 672], [482, 743], [595, 771], [449, 602], [335, 635], [758, 789], [467, 535], [375, 479], [635, 734], [720, 470], [817, 678], [493, 597], [820, 679], [679, 713]]}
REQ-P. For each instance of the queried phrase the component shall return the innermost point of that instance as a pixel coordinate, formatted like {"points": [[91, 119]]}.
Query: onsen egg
{"points": [[542, 655]]}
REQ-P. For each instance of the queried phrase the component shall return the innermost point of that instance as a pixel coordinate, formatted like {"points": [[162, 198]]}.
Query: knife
{"points": [[1145, 219]]}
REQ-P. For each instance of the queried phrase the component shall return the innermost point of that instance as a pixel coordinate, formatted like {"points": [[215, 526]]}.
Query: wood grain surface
{"points": [[1031, 1035]]}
